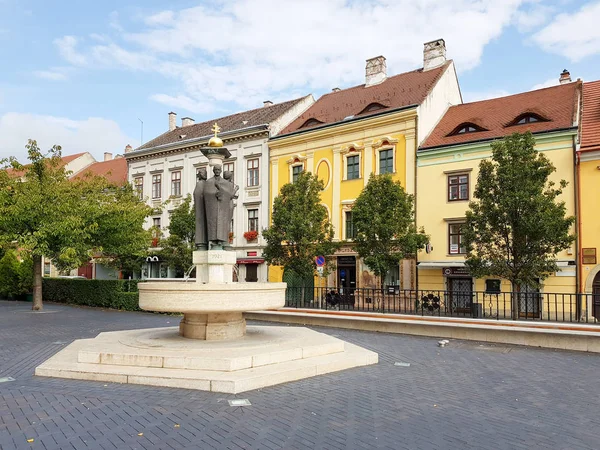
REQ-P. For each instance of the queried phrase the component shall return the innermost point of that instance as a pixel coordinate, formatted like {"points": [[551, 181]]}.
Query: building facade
{"points": [[448, 168], [349, 134], [588, 172], [163, 171]]}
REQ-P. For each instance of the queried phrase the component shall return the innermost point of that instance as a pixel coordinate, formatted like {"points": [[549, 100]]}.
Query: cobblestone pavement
{"points": [[464, 396]]}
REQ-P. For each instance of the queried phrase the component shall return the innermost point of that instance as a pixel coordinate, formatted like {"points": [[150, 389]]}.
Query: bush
{"points": [[9, 275], [116, 294]]}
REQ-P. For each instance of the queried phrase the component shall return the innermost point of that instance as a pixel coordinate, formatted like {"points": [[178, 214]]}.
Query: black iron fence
{"points": [[484, 305]]}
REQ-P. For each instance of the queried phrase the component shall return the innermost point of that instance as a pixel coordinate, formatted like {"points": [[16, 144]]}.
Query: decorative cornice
{"points": [[352, 146], [589, 156], [296, 158], [378, 143]]}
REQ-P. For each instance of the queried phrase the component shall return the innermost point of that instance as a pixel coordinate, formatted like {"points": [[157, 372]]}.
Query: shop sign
{"points": [[588, 256], [456, 271]]}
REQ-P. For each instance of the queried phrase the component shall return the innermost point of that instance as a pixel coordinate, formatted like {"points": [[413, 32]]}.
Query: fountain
{"points": [[212, 349]]}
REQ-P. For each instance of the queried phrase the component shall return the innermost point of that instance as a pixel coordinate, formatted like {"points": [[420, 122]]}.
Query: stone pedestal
{"points": [[214, 266], [213, 326]]}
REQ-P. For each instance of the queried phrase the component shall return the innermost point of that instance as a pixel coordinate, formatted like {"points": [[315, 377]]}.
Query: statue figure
{"points": [[201, 239], [218, 197], [228, 175]]}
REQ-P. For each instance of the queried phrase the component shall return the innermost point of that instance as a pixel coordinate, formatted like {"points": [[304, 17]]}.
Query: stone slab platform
{"points": [[266, 356]]}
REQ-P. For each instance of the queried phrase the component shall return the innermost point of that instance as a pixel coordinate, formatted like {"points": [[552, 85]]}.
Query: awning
{"points": [[440, 264], [250, 260]]}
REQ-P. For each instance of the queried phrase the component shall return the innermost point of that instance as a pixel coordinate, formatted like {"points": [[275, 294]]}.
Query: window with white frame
{"points": [[350, 229], [253, 220], [156, 186], [252, 165], [229, 167], [176, 183], [386, 161], [352, 167], [138, 184], [296, 171]]}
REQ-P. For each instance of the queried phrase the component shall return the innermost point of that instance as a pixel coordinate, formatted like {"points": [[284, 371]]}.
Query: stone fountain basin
{"points": [[201, 298]]}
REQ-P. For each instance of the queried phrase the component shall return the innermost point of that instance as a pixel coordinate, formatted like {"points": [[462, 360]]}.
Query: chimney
{"points": [[172, 121], [336, 89], [128, 148], [107, 156], [434, 54], [267, 103], [187, 121], [565, 77], [375, 71]]}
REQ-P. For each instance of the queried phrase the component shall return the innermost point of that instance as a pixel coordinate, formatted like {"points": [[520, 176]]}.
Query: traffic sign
{"points": [[320, 270], [320, 261]]}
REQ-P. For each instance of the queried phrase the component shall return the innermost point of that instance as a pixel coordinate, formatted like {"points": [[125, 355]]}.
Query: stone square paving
{"points": [[463, 396]]}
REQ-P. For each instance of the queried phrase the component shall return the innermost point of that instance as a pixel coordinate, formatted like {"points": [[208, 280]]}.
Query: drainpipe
{"points": [[578, 271], [415, 183]]}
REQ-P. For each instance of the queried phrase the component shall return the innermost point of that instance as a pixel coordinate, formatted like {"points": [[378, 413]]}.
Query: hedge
{"points": [[116, 294]]}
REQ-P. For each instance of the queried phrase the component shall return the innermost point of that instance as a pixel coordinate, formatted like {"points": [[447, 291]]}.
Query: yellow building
{"points": [[447, 171], [589, 199], [350, 133]]}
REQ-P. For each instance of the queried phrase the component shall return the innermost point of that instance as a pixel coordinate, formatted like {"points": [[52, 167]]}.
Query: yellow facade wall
{"points": [[435, 212], [324, 152], [590, 215]]}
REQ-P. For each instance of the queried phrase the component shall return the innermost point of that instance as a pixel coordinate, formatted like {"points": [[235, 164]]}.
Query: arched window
{"points": [[312, 122], [466, 127], [372, 107], [526, 118]]}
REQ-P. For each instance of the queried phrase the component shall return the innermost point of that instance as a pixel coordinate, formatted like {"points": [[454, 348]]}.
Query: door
{"points": [[347, 280], [460, 293], [252, 272], [596, 297], [529, 302]]}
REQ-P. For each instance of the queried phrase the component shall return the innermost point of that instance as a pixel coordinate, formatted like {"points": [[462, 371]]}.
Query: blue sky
{"points": [[81, 73]]}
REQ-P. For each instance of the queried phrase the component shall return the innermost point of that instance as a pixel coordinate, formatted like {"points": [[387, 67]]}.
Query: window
{"points": [[458, 187], [372, 107], [350, 230], [46, 267], [466, 127], [455, 239], [156, 222], [386, 161], [176, 184], [353, 167], [253, 172], [253, 220], [156, 186], [492, 286], [311, 123], [527, 118], [138, 184], [296, 171], [229, 167]]}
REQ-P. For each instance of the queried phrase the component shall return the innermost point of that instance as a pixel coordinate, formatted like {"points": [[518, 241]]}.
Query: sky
{"points": [[98, 75]]}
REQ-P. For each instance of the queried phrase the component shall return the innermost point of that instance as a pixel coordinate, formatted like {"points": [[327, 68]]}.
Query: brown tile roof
{"points": [[558, 104], [114, 170], [64, 161], [405, 89], [246, 119], [590, 119]]}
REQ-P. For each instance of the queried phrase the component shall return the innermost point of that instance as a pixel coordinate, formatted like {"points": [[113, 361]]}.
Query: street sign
{"points": [[320, 261], [320, 270]]}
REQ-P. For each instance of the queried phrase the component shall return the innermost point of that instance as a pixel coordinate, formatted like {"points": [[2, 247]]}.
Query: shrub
{"points": [[117, 294], [9, 275]]}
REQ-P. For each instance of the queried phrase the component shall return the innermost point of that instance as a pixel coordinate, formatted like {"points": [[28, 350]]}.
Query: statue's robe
{"points": [[200, 212], [218, 197]]}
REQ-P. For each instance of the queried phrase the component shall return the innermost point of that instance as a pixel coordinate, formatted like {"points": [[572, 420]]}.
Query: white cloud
{"points": [[574, 36], [114, 21], [548, 83], [533, 15], [54, 74], [95, 135], [243, 51], [475, 96]]}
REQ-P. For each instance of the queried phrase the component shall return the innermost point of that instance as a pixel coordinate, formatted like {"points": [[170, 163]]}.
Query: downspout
{"points": [[578, 274], [415, 183]]}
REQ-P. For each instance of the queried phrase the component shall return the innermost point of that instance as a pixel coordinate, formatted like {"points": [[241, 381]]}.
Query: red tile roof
{"points": [[238, 121], [558, 104], [405, 89], [114, 170], [64, 161], [590, 119]]}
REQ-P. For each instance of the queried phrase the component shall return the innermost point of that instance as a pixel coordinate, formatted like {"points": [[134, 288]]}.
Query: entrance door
{"points": [[596, 296], [252, 272], [529, 302], [460, 293], [347, 279]]}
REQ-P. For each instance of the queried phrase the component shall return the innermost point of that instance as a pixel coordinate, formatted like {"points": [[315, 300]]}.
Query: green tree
{"points": [[9, 275], [178, 247], [300, 229], [384, 221], [516, 224], [69, 221]]}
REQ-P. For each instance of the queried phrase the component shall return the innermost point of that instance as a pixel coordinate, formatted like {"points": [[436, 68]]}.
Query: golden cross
{"points": [[216, 128]]}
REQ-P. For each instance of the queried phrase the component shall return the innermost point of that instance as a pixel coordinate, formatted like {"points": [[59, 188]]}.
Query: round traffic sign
{"points": [[320, 260]]}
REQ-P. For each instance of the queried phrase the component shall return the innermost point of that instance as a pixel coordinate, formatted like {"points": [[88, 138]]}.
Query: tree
{"points": [[177, 249], [300, 229], [384, 219], [516, 225], [45, 213]]}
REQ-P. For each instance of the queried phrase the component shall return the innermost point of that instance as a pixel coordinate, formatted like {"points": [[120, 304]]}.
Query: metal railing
{"points": [[582, 308]]}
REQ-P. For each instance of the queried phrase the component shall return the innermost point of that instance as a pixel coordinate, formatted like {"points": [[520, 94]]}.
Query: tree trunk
{"points": [[37, 283], [516, 290]]}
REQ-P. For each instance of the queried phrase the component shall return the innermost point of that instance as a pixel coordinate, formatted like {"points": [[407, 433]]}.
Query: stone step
{"points": [[65, 365]]}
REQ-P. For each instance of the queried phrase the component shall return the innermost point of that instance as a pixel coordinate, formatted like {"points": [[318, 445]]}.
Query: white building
{"points": [[165, 169]]}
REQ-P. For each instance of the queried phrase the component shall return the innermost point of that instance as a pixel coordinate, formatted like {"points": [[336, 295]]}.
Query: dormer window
{"points": [[372, 107], [465, 128], [527, 118], [311, 123]]}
